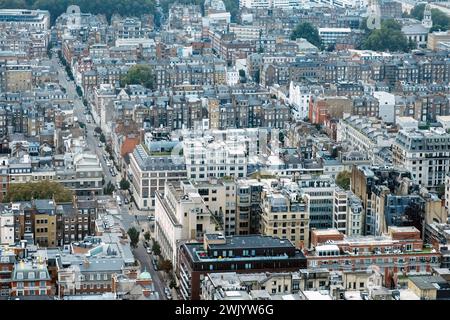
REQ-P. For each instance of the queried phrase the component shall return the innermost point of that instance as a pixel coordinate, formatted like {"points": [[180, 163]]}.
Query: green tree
{"points": [[139, 74], [38, 190], [343, 179], [307, 31], [156, 248], [102, 138], [98, 130], [79, 91], [441, 190], [417, 11], [441, 21], [165, 265], [109, 189], [242, 73], [134, 236], [388, 38], [124, 184], [147, 236]]}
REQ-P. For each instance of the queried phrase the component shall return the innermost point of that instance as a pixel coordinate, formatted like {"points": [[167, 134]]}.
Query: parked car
{"points": [[149, 250], [126, 201]]}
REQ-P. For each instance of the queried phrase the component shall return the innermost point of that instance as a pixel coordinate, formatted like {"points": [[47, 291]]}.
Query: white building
{"points": [[364, 134], [386, 108], [219, 196], [217, 153], [149, 171], [425, 153], [348, 214], [332, 35], [299, 98], [265, 4], [181, 215], [35, 19], [232, 76], [6, 227], [408, 122]]}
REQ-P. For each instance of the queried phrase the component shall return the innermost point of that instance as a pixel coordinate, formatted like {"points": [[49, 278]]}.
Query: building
{"points": [[437, 38], [30, 278], [423, 153], [33, 19], [331, 36], [7, 262], [149, 171], [400, 252], [348, 213], [285, 215], [181, 215], [240, 254], [318, 192], [429, 287], [367, 135]]}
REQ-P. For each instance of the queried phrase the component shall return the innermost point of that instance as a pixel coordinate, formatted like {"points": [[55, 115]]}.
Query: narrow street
{"points": [[143, 257], [129, 218]]}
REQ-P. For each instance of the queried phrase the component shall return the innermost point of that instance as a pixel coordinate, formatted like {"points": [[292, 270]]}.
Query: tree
{"points": [[307, 31], [102, 138], [388, 38], [109, 189], [147, 236], [79, 91], [124, 184], [414, 216], [98, 130], [257, 76], [417, 11], [106, 7], [441, 21], [134, 236], [343, 179], [241, 73], [165, 265], [156, 248], [441, 190], [38, 190], [139, 74]]}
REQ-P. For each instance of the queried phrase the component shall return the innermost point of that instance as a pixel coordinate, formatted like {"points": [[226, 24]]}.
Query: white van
{"points": [[119, 201]]}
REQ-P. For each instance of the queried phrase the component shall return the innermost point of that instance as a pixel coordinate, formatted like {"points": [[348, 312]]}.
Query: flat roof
{"points": [[250, 241]]}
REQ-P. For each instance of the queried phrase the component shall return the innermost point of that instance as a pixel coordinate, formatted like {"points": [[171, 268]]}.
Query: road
{"points": [[129, 218], [140, 253], [79, 110]]}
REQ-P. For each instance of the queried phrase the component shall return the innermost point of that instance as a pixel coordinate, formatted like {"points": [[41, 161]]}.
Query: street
{"points": [[129, 215]]}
